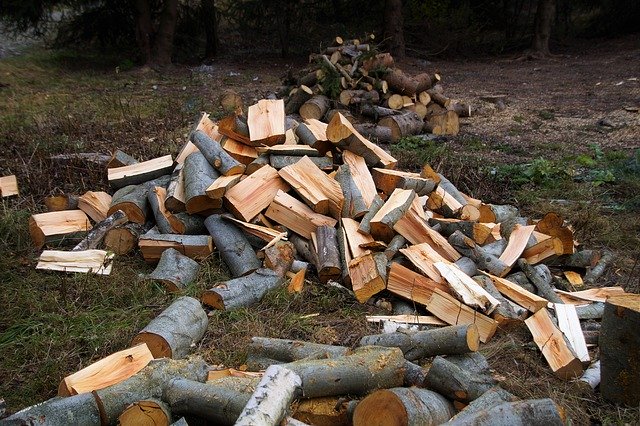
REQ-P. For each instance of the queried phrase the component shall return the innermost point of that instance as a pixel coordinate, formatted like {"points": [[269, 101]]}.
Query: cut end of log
{"points": [[158, 346], [382, 407], [143, 413]]}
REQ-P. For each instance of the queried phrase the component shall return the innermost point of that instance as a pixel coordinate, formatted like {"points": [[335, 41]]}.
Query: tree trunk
{"points": [[144, 30], [163, 43], [545, 14], [210, 28], [393, 30]]}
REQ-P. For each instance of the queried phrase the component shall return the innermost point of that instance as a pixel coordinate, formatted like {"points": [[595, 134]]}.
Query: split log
{"points": [[242, 291], [455, 339], [518, 241], [234, 248], [95, 204], [115, 368], [619, 349], [403, 406], [67, 226], [215, 155], [374, 208], [342, 133], [221, 185], [234, 127], [270, 401], [252, 195], [198, 176], [540, 276], [550, 340], [244, 154], [569, 324], [266, 122], [368, 275], [119, 159], [279, 257], [175, 201], [97, 233], [297, 97], [345, 255], [466, 289], [314, 133], [175, 271], [403, 125], [57, 203], [315, 108], [358, 373], [186, 224], [353, 205], [150, 412], [485, 261], [295, 215], [520, 279], [152, 245], [132, 199], [455, 382], [173, 333], [124, 238], [293, 150], [328, 256], [411, 285], [361, 176], [139, 173], [281, 161], [97, 262], [531, 412], [401, 83], [164, 219], [265, 351], [394, 208], [552, 224], [504, 312], [388, 180]]}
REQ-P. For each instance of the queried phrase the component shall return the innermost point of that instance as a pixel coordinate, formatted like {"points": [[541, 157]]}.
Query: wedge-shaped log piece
{"points": [[342, 133], [507, 312], [173, 333], [243, 291], [119, 159], [175, 271], [368, 275], [313, 132], [322, 193], [466, 289], [270, 401], [58, 227], [411, 285], [449, 310], [221, 185], [452, 340], [86, 261], [235, 250], [365, 369], [403, 406], [528, 412], [354, 239], [295, 215], [390, 213], [147, 411], [497, 213], [517, 243], [553, 224], [138, 173], [361, 176], [543, 250], [388, 180], [265, 351], [215, 155], [279, 256], [194, 246], [550, 340], [112, 369], [132, 199], [242, 153], [175, 200], [264, 233], [252, 195], [95, 204], [569, 324], [266, 122], [424, 257]]}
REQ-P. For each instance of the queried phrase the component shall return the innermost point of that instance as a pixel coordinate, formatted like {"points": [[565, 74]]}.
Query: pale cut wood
{"points": [[411, 285], [280, 255], [295, 215], [95, 204], [8, 186], [553, 224], [569, 324], [368, 275], [466, 289], [392, 211], [194, 246], [322, 193], [124, 238], [388, 180], [574, 279], [266, 122], [55, 227], [449, 310], [253, 194], [138, 173], [221, 185], [517, 243], [600, 294], [355, 239], [149, 412], [518, 294], [175, 201], [313, 132], [407, 319], [315, 108], [112, 369], [264, 233], [56, 203], [240, 152], [543, 250], [551, 342], [361, 176], [235, 127], [86, 261], [174, 332], [424, 257]]}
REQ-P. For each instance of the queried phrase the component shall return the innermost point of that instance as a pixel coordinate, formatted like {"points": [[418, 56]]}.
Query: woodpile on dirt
{"points": [[382, 102], [281, 200]]}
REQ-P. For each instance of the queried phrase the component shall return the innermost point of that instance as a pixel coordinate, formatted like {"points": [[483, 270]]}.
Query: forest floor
{"points": [[563, 141]]}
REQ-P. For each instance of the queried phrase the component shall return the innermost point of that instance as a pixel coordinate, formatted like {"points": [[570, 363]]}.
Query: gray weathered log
{"points": [[329, 267], [540, 276], [454, 382], [354, 205], [119, 159], [281, 161], [59, 411], [176, 330], [162, 221], [504, 309], [301, 95], [266, 351], [502, 212], [521, 279], [485, 261], [467, 266], [414, 374], [96, 233], [261, 161], [581, 259], [215, 155], [455, 339], [174, 270], [243, 291], [394, 246], [596, 272], [591, 311], [234, 248], [494, 396], [198, 176], [473, 362], [305, 249], [451, 189], [365, 223], [175, 203], [189, 224], [132, 199], [532, 412], [373, 132]]}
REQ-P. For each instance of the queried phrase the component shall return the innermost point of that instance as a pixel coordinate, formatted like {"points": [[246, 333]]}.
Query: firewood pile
{"points": [[281, 200], [384, 103]]}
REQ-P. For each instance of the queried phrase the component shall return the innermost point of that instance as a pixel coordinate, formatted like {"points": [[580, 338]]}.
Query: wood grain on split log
{"points": [[266, 122], [175, 271], [393, 209], [422, 344], [97, 233], [234, 248], [155, 198], [152, 245], [139, 173], [95, 204], [314, 133], [388, 180], [148, 411], [243, 291], [249, 197], [215, 155], [173, 333], [504, 312], [68, 226], [175, 191], [368, 274]]}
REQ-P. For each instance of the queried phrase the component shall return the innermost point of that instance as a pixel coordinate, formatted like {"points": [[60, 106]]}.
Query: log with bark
{"points": [[124, 238], [243, 291], [119, 159], [55, 228], [174, 271], [152, 245], [265, 351], [456, 383], [485, 260], [217, 157], [198, 175], [315, 108], [235, 250], [175, 201], [176, 330], [132, 199], [354, 205], [56, 203], [98, 232], [328, 266], [529, 412], [95, 204], [403, 125], [139, 173]]}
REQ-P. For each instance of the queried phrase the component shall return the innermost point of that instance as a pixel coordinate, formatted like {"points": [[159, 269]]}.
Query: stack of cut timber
{"points": [[384, 103]]}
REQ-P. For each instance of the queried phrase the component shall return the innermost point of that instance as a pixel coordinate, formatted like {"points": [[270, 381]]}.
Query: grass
{"points": [[54, 324]]}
